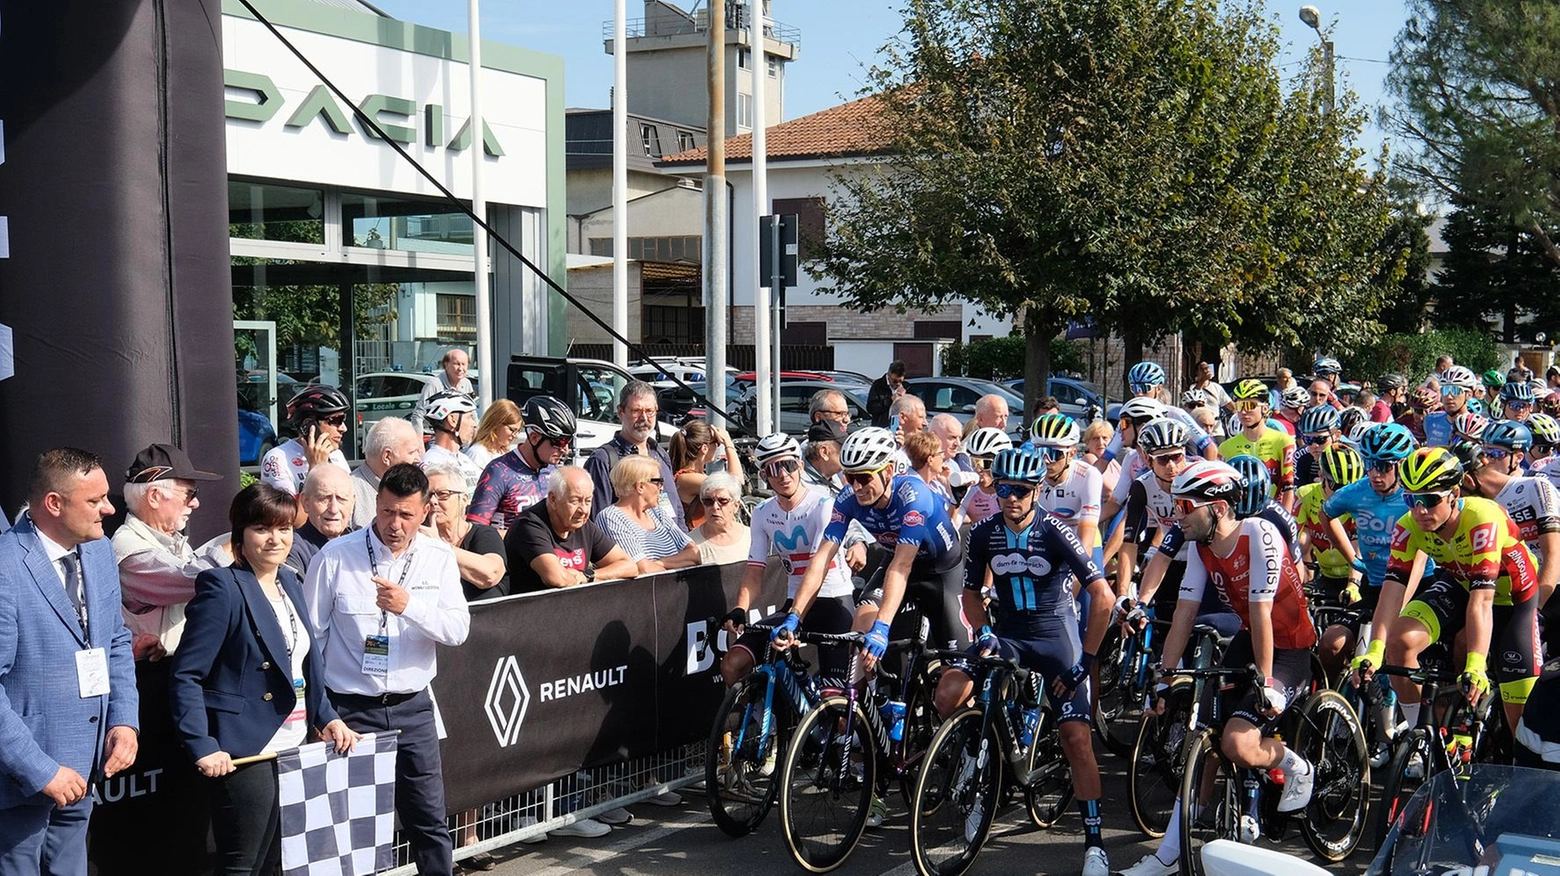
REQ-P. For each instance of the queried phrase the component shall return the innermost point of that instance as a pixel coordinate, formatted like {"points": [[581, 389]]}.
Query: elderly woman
{"points": [[693, 449], [496, 434], [721, 538], [638, 525], [479, 549]]}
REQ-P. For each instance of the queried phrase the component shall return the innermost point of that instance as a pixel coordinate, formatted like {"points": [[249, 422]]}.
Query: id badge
{"points": [[300, 709], [92, 672], [376, 655]]}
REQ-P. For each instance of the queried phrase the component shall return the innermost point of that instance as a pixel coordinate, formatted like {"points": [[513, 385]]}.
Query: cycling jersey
{"points": [[1328, 558], [508, 486], [1274, 447], [1533, 504], [285, 466], [1150, 507], [794, 536], [979, 505], [1414, 423], [1272, 512], [1308, 469], [1438, 429], [469, 470], [1257, 570], [1074, 501], [1031, 574], [1485, 553], [914, 515], [1197, 440], [1375, 519]]}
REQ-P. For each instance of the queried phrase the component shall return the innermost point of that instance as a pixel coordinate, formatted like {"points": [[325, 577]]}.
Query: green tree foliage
{"points": [[1413, 354], [1496, 274], [1137, 161], [1003, 358]]}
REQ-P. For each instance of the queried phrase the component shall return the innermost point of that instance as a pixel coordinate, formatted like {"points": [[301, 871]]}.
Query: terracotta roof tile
{"points": [[853, 128]]}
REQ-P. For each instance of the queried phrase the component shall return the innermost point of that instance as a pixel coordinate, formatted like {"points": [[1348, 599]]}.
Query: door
{"points": [[258, 382]]}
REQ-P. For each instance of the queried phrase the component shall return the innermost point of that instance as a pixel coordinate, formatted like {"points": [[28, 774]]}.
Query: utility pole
{"points": [[765, 387], [620, 183], [716, 220], [487, 375]]}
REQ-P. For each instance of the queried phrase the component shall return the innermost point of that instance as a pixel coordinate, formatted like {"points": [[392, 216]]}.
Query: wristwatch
{"points": [[590, 572]]}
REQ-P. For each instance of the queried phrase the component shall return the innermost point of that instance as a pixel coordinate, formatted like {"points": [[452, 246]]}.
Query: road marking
{"points": [[585, 857]]}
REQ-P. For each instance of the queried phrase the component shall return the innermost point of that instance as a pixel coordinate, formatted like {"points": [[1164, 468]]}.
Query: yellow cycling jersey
{"points": [[1314, 524], [1275, 448], [1486, 552]]}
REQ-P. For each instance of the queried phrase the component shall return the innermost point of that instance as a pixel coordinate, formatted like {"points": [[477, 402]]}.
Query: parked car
{"points": [[1080, 399], [256, 434], [958, 395], [589, 386], [256, 437]]}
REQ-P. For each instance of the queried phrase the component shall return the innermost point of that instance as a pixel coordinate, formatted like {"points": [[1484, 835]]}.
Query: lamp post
{"points": [[1313, 19]]}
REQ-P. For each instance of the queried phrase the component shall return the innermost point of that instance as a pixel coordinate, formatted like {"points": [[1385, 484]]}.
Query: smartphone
{"points": [[893, 423]]}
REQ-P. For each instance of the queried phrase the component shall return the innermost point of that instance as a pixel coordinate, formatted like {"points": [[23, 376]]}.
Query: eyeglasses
{"points": [[660, 482], [337, 420], [1187, 506], [445, 495], [862, 478], [1315, 439], [1381, 467], [1168, 459], [189, 494], [1014, 491], [1248, 404], [782, 467], [715, 501], [1426, 500], [831, 413], [1494, 452], [1451, 391]]}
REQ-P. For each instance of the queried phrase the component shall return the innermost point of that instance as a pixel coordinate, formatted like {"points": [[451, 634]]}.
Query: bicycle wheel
{"points": [[745, 745], [1210, 800], [956, 797], [1399, 787], [829, 778], [1330, 737], [1119, 706], [1051, 790], [1154, 776], [921, 723]]}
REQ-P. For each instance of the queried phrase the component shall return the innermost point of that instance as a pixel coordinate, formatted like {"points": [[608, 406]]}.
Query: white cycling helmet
{"points": [[776, 446], [987, 441], [1141, 407], [868, 449], [449, 401], [1463, 378]]}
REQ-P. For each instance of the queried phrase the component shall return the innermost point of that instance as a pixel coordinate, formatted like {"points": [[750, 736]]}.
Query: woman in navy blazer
{"points": [[246, 656]]}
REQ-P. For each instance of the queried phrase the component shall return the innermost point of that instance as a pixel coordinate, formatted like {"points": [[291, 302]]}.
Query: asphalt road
{"points": [[683, 840]]}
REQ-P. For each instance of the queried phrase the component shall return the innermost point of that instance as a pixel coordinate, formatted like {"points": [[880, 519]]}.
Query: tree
{"points": [[1495, 275], [1136, 161]]}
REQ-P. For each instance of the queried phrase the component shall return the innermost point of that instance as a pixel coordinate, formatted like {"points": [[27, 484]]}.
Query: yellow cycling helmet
{"points": [[1251, 388], [1430, 470]]}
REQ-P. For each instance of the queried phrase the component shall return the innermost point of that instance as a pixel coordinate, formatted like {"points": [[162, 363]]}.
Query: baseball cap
{"points": [[165, 462]]}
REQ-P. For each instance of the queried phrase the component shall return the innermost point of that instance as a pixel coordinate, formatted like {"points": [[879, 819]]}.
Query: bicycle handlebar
{"points": [[810, 637], [1419, 674]]}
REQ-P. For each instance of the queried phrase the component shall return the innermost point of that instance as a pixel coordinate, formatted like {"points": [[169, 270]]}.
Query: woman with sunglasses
{"points": [[637, 522], [1038, 622], [720, 537], [1459, 386]]}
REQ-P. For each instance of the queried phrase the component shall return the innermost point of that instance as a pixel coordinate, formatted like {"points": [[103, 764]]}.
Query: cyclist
{"points": [[1494, 470], [1493, 382], [1422, 401], [448, 438], [1246, 562], [1150, 510], [1147, 380], [1516, 401], [1292, 402], [980, 500], [1318, 430], [1546, 437], [1468, 426], [1485, 586], [1136, 414], [1458, 387], [1327, 368], [518, 479], [1256, 438], [1071, 489], [1392, 401], [1032, 558], [320, 415], [906, 517], [1195, 398], [1341, 466]]}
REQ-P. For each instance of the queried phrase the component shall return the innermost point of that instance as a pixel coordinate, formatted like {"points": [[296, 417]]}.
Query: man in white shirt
{"points": [[390, 441], [452, 375], [379, 604]]}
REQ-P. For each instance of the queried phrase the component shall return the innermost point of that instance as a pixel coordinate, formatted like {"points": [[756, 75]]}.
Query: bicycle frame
{"points": [[891, 753]]}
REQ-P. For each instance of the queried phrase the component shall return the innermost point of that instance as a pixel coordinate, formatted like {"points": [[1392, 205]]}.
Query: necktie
{"points": [[74, 590]]}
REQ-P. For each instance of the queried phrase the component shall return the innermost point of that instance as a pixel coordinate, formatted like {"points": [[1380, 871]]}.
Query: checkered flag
{"points": [[337, 810]]}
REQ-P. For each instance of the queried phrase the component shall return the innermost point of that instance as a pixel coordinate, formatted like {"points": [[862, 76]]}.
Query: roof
{"points": [[356, 6], [853, 128]]}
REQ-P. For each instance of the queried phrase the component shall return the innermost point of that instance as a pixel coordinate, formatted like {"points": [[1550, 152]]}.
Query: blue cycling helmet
{"points": [[1509, 434], [1476, 406], [1519, 391], [1387, 442], [1018, 464], [1255, 482], [1322, 418], [1145, 374]]}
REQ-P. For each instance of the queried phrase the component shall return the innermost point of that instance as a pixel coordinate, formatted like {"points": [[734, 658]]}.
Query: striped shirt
{"points": [[641, 544]]}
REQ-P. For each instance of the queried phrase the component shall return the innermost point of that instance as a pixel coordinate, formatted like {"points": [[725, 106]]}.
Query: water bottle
{"points": [[1031, 720], [894, 714]]}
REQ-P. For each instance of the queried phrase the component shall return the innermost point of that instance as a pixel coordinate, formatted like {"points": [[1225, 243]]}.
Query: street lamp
{"points": [[1313, 19]]}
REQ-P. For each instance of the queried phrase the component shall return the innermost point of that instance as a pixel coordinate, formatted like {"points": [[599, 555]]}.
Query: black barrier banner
{"points": [[549, 683]]}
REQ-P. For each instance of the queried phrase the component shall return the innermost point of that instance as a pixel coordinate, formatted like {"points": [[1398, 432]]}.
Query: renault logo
{"points": [[507, 700]]}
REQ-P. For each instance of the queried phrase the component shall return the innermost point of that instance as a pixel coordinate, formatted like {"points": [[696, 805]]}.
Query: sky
{"points": [[836, 48]]}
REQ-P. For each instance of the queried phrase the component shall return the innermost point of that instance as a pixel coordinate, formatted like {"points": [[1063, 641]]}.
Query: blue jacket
{"points": [[232, 687], [44, 720]]}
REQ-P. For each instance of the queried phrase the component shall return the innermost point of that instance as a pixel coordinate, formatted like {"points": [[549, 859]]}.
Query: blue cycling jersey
{"points": [[1375, 517], [1438, 429], [1272, 512], [1031, 573], [914, 515]]}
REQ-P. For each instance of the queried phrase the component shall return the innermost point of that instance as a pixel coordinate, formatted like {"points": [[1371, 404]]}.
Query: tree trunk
{"points": [[1039, 328], [1132, 345]]}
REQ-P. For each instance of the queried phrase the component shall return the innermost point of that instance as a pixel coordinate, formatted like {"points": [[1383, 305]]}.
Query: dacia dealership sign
{"points": [[284, 124]]}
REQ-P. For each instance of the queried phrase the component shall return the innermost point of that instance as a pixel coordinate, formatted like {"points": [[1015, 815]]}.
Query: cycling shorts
{"points": [[1441, 606], [1291, 666], [1052, 656], [937, 594], [827, 614]]}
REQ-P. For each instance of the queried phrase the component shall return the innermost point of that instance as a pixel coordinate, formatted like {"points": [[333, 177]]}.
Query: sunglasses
{"points": [[980, 464], [715, 501], [337, 420], [1315, 439], [1249, 404], [1425, 500], [660, 482], [1053, 454], [782, 467], [1168, 459], [560, 443], [1187, 506], [1014, 491], [1451, 391], [1381, 467], [862, 478], [1518, 405], [1494, 452]]}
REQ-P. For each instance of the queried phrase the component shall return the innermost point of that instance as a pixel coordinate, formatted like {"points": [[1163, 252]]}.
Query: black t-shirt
{"points": [[484, 539], [531, 535]]}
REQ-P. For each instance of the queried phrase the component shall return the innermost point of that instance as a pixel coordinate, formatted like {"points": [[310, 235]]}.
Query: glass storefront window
{"points": [[403, 224], [264, 211]]}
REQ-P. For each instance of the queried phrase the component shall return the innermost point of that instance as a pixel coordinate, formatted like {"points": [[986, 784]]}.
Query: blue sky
{"points": [[835, 46]]}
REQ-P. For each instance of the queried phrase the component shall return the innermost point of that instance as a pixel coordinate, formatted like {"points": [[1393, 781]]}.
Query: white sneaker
{"points": [[1380, 755], [665, 798], [878, 813], [528, 821], [615, 817], [588, 828], [1095, 863], [1151, 866], [1249, 829], [1415, 768], [1297, 789]]}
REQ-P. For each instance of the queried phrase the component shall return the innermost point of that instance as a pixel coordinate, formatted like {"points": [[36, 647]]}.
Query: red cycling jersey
{"points": [[1259, 546]]}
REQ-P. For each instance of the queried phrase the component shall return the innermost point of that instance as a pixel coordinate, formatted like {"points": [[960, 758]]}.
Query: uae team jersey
{"points": [[1257, 570], [1485, 553], [914, 515], [1534, 506], [1150, 507], [1274, 447], [1032, 571], [284, 466], [1076, 500], [794, 537]]}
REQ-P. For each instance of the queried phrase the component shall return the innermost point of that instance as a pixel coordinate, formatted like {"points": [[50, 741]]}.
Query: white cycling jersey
{"points": [[284, 466], [1534, 505], [795, 535], [1076, 500]]}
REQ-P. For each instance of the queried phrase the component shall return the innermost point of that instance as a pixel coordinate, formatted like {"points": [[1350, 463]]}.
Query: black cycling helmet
{"points": [[316, 402], [548, 417]]}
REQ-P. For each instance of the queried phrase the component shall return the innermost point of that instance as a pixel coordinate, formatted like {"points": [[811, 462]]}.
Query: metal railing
{"points": [[642, 27]]}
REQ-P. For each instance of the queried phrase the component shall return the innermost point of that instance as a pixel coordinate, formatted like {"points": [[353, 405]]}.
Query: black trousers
{"points": [[419, 773], [245, 820]]}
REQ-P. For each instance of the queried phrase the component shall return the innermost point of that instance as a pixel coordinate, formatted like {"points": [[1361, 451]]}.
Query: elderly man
{"points": [[452, 375], [956, 463], [391, 441], [327, 499], [911, 414], [991, 412], [829, 404], [637, 410], [554, 543]]}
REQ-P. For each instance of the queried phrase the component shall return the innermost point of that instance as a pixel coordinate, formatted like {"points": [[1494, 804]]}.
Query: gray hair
{"points": [[448, 470], [906, 401], [634, 389], [558, 481], [821, 398], [135, 494], [720, 480], [384, 433]]}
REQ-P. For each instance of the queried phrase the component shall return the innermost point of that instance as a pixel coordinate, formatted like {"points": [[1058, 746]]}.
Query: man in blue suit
{"points": [[68, 705]]}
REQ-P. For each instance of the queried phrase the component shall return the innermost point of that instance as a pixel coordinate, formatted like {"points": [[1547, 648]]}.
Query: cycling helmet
{"points": [[1492, 378], [1250, 388], [1430, 470], [1018, 464], [1470, 454], [1509, 434], [1476, 406], [1469, 426], [987, 441], [1295, 397], [1342, 465], [1193, 398], [1520, 392], [1145, 374], [1349, 418], [1255, 482], [1232, 426], [1350, 389], [1460, 377], [1159, 435], [1055, 430], [1386, 442], [548, 417], [1424, 398], [868, 449], [448, 401], [1326, 365], [1208, 481], [1550, 404], [1358, 430], [1392, 381], [1545, 429], [776, 446], [1141, 408], [1322, 418], [315, 402]]}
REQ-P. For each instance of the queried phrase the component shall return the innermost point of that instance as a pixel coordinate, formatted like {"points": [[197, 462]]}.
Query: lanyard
{"points": [[292, 621], [74, 559], [373, 564]]}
